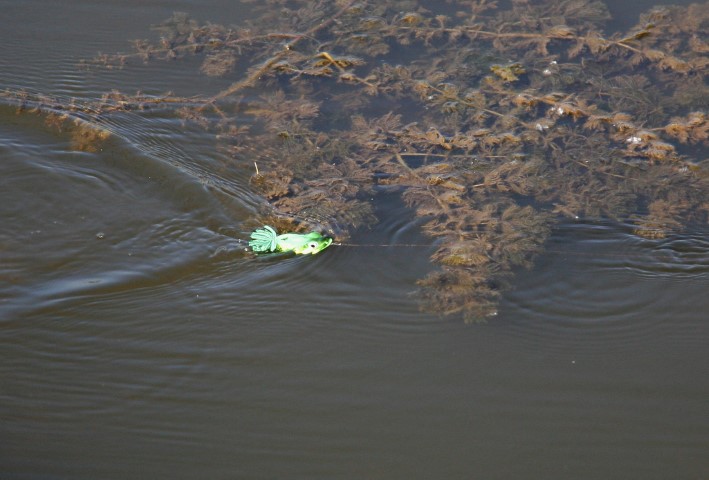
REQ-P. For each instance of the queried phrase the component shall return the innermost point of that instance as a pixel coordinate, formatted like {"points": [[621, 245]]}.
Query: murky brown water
{"points": [[137, 342]]}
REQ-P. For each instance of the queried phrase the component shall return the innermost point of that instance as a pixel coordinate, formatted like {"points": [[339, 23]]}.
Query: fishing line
{"points": [[540, 253], [385, 245]]}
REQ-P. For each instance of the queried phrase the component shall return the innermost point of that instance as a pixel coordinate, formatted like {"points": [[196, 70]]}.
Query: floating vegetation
{"points": [[68, 117], [491, 123]]}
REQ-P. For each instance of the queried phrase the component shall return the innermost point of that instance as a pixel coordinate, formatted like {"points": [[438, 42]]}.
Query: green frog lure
{"points": [[265, 240]]}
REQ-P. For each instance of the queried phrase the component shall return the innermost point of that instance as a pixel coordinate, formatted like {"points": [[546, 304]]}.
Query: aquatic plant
{"points": [[492, 124]]}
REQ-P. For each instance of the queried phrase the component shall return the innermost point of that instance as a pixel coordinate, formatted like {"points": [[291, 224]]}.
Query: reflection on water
{"points": [[138, 340]]}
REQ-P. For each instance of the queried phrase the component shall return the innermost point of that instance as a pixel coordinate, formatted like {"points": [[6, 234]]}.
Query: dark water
{"points": [[136, 341]]}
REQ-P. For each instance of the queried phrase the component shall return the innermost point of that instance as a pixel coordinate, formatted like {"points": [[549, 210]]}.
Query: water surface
{"points": [[138, 341]]}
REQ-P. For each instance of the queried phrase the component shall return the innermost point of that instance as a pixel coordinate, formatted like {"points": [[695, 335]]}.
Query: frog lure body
{"points": [[266, 240]]}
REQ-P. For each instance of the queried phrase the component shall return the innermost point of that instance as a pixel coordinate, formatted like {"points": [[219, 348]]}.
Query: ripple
{"points": [[683, 257], [44, 25], [599, 287], [363, 287]]}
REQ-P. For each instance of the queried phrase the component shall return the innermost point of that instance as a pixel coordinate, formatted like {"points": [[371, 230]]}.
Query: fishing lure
{"points": [[265, 239]]}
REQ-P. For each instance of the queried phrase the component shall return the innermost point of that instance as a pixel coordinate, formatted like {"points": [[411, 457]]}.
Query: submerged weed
{"points": [[492, 123]]}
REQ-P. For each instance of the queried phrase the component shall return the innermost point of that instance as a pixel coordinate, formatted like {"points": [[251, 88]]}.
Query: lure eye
{"points": [[313, 245]]}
